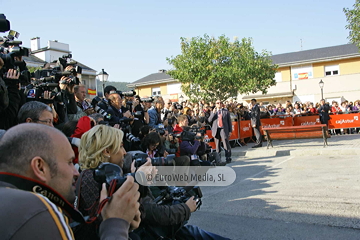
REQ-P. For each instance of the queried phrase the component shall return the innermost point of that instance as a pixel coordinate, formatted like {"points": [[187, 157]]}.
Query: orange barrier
{"points": [[276, 122], [306, 120], [235, 131], [245, 129], [351, 120]]}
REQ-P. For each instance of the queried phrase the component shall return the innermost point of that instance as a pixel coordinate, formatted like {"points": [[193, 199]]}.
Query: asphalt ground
{"points": [[287, 197]]}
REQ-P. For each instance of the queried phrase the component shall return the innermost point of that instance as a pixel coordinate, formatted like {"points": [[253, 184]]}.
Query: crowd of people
{"points": [[59, 144], [49, 162]]}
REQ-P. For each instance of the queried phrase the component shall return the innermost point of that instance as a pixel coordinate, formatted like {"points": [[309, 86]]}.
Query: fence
{"points": [[243, 129]]}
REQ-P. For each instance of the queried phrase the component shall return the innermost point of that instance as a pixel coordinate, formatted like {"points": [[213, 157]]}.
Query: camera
{"points": [[140, 159], [131, 138], [11, 51], [130, 93], [147, 100], [4, 23], [160, 130], [107, 172], [98, 109], [174, 195]]}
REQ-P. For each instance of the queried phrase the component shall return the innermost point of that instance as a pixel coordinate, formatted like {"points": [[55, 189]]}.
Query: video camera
{"points": [[140, 159], [107, 172], [49, 79], [174, 195], [10, 51]]}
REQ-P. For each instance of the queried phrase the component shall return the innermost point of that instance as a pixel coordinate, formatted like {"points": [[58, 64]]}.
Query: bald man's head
{"points": [[20, 144]]}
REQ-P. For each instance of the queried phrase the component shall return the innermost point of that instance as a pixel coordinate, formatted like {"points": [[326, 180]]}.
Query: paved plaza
{"points": [[297, 190]]}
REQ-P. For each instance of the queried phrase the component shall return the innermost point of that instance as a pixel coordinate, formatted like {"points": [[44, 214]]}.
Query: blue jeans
{"points": [[194, 232]]}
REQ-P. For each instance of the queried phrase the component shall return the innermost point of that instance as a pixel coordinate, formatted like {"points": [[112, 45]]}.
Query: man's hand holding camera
{"points": [[191, 203], [65, 84], [123, 203], [12, 74]]}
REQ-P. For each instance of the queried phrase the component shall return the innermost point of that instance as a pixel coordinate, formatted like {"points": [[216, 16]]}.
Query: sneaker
{"points": [[228, 160]]}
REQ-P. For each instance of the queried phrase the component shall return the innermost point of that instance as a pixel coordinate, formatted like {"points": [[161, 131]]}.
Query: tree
{"points": [[211, 68], [353, 19]]}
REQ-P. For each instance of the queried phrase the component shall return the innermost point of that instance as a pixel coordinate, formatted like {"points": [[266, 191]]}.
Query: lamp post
{"points": [[321, 84], [181, 98], [103, 76]]}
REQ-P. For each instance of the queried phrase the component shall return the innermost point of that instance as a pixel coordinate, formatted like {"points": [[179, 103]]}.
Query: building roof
{"points": [[84, 66], [272, 95], [316, 55], [32, 58], [284, 59], [154, 78]]}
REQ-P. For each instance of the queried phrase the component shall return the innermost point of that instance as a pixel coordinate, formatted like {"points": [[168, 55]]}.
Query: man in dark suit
{"points": [[255, 122], [324, 112], [221, 128]]}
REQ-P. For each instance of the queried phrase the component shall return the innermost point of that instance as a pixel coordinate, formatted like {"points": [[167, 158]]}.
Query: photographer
{"points": [[84, 108], [171, 144], [182, 122], [68, 97], [169, 221], [193, 146], [99, 145], [116, 109], [104, 103], [10, 98], [36, 185], [152, 145], [141, 107]]}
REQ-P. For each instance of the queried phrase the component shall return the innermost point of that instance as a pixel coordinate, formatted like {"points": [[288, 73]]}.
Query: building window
{"points": [[156, 91], [278, 77], [332, 70]]}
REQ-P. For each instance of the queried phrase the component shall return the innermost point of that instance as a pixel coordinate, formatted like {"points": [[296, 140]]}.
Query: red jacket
{"points": [[177, 130], [83, 125]]}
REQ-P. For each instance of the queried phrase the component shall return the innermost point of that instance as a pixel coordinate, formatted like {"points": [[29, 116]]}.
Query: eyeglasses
{"points": [[169, 103], [47, 121], [218, 102]]}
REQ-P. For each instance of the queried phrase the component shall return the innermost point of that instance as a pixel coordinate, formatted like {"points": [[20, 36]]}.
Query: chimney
{"points": [[35, 44], [162, 71]]}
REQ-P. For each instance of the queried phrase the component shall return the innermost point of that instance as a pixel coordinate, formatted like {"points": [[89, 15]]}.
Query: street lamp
{"points": [[181, 98], [103, 76], [321, 84]]}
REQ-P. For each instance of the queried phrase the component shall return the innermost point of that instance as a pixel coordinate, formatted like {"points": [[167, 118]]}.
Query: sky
{"points": [[132, 39]]}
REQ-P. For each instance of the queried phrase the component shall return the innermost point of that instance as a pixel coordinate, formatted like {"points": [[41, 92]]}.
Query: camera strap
{"points": [[32, 185]]}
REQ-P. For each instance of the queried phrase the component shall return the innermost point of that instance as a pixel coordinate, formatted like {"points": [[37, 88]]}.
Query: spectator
{"points": [[155, 112]]}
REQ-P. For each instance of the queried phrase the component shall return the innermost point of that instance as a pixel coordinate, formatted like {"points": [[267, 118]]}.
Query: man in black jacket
{"points": [[116, 109], [324, 112], [10, 99], [36, 185], [169, 221], [255, 122]]}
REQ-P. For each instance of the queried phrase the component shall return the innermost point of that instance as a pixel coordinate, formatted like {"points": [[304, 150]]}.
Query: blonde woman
{"points": [[100, 144]]}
